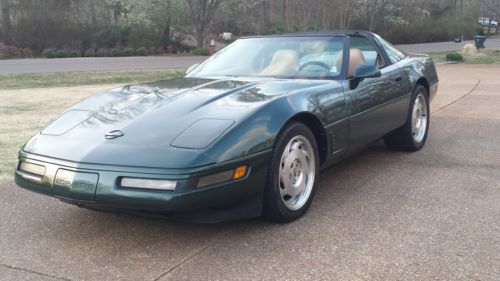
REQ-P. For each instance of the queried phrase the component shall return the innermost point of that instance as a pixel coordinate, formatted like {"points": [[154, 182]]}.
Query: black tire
{"points": [[274, 207], [403, 139]]}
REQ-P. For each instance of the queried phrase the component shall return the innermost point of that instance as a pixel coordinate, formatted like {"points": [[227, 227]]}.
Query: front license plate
{"points": [[75, 185]]}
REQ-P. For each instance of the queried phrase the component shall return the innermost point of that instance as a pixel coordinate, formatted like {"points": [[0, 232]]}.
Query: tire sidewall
{"points": [[274, 206]]}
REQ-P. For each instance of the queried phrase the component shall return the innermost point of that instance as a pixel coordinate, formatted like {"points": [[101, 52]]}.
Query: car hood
{"points": [[165, 124]]}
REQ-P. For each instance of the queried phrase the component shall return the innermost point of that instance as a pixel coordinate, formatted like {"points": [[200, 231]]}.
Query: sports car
{"points": [[243, 134]]}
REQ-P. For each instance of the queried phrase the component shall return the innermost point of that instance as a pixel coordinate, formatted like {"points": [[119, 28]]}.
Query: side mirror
{"points": [[191, 68], [366, 71]]}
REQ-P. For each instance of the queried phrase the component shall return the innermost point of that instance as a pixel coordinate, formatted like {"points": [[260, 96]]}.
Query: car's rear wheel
{"points": [[412, 135], [293, 174]]}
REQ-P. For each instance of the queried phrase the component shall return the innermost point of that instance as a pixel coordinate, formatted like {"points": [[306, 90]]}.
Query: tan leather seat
{"points": [[355, 57], [283, 63]]}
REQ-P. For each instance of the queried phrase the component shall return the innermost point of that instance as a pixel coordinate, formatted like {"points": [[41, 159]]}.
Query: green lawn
{"points": [[44, 80]]}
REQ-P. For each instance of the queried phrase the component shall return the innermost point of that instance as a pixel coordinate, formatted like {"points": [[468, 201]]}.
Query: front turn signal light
{"points": [[223, 177], [240, 172]]}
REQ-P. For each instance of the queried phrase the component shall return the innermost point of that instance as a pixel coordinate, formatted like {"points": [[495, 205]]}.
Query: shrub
{"points": [[128, 52], [27, 53], [454, 57], [201, 52], [160, 51], [10, 52], [142, 51], [49, 53], [480, 31], [89, 53], [74, 54], [102, 52], [63, 53], [117, 52], [151, 51], [13, 52]]}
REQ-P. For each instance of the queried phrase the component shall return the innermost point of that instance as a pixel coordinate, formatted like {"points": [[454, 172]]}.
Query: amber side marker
{"points": [[240, 172]]}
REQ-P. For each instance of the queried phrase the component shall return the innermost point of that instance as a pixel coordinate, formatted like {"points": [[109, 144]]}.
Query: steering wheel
{"points": [[318, 63]]}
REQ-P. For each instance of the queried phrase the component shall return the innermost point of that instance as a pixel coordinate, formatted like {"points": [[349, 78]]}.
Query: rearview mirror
{"points": [[191, 68], [366, 71]]}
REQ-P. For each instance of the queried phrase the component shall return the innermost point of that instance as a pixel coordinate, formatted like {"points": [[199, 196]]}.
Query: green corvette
{"points": [[243, 134]]}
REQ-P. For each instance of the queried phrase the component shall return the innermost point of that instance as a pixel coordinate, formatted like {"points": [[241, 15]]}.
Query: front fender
{"points": [[257, 132]]}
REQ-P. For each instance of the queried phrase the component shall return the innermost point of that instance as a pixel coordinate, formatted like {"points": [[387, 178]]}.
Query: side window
{"points": [[393, 53], [370, 53]]}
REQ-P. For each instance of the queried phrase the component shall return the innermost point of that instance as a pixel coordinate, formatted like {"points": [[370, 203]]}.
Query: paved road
{"points": [[96, 64], [164, 62], [381, 215], [444, 46]]}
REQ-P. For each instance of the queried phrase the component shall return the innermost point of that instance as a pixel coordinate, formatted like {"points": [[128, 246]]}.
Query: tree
{"points": [[6, 23], [202, 13]]}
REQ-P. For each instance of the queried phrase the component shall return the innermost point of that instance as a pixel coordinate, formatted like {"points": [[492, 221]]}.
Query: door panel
{"points": [[377, 106]]}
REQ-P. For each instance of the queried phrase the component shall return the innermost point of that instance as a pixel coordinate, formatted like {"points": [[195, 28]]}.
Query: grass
{"points": [[487, 56], [66, 79]]}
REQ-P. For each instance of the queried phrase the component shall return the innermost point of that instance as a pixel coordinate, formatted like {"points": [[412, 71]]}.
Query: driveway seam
{"points": [[460, 98], [186, 260], [34, 272]]}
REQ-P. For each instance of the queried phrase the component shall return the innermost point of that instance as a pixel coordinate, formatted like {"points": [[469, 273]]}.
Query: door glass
{"points": [[369, 52]]}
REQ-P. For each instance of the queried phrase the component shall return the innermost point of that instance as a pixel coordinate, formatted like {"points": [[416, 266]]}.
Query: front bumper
{"points": [[98, 187]]}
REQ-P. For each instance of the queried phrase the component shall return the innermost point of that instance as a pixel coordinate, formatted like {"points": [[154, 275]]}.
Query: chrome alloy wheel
{"points": [[419, 118], [297, 172]]}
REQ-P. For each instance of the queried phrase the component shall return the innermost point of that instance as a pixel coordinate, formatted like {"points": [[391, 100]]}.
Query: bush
{"points": [[480, 31], [74, 54], [63, 53], [27, 53], [151, 51], [11, 52], [160, 51], [102, 52], [128, 52], [454, 57], [201, 52], [117, 52], [49, 53], [142, 51], [89, 53]]}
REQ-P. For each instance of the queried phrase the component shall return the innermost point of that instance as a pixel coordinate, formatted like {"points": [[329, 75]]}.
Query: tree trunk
{"points": [[166, 30], [6, 24], [489, 28], [117, 10], [200, 36]]}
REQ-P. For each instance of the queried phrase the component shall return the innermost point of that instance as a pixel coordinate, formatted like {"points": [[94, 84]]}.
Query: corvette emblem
{"points": [[114, 134]]}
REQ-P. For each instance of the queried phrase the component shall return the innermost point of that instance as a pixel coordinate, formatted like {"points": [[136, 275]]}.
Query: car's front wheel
{"points": [[293, 174], [412, 135]]}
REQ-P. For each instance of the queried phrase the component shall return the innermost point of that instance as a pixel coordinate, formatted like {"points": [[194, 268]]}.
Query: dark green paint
{"points": [[352, 113]]}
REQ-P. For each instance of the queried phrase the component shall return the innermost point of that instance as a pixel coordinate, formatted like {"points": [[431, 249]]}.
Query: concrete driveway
{"points": [[431, 215]]}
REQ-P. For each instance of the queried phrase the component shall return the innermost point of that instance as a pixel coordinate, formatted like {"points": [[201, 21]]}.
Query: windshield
{"points": [[286, 57]]}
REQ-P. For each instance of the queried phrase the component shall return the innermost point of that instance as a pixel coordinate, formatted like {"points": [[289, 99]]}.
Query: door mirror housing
{"points": [[366, 71], [191, 68]]}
